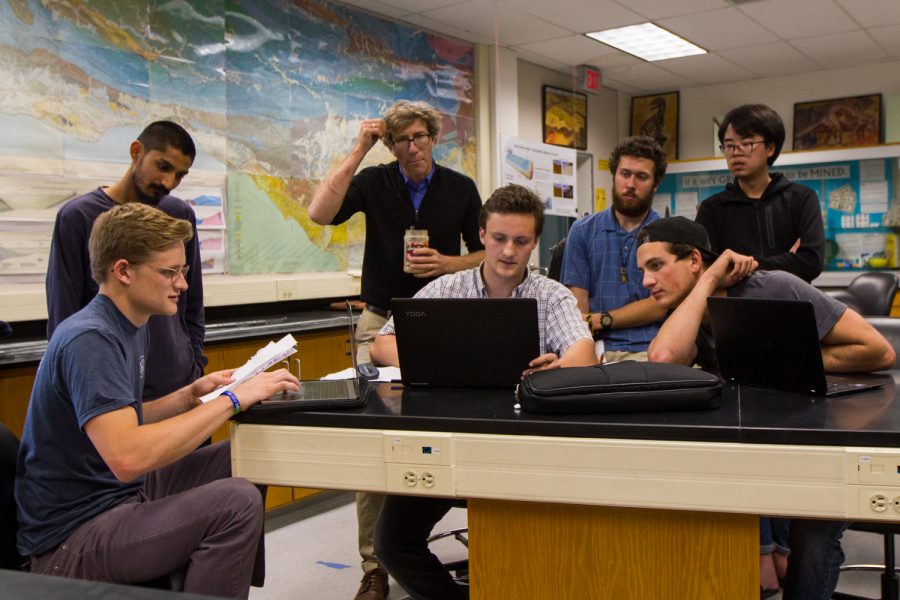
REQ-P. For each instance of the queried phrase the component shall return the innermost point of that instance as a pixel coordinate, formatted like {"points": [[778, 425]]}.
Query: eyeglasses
{"points": [[421, 138], [171, 272], [746, 147]]}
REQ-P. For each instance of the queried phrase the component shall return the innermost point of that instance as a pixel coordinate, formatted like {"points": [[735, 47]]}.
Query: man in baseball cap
{"points": [[681, 272]]}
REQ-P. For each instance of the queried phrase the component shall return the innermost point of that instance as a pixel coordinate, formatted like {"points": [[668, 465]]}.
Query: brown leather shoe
{"points": [[374, 585]]}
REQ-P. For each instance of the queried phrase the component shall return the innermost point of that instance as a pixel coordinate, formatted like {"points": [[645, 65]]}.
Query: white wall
{"points": [[699, 105], [603, 131]]}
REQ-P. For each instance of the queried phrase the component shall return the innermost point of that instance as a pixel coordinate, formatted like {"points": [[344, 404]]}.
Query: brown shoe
{"points": [[374, 585]]}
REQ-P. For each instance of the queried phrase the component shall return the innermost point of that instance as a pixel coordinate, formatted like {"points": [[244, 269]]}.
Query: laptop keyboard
{"points": [[842, 387], [323, 390]]}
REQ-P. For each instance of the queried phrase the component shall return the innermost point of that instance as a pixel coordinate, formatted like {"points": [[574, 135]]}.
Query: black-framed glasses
{"points": [[171, 272], [746, 147], [421, 138]]}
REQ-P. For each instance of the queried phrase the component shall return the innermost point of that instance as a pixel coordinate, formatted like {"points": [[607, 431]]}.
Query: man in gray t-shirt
{"points": [[681, 273]]}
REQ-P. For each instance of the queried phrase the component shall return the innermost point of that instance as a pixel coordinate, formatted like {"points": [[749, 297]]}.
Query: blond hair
{"points": [[404, 113], [135, 232]]}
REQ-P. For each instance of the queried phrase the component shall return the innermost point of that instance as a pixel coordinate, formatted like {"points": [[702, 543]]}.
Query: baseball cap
{"points": [[678, 230]]}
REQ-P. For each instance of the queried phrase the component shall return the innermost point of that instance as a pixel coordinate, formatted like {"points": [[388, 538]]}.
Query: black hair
{"points": [[514, 199], [640, 146], [755, 119], [160, 135]]}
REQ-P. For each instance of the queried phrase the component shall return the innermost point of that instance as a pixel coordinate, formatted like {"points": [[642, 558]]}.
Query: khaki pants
{"points": [[368, 506], [617, 355]]}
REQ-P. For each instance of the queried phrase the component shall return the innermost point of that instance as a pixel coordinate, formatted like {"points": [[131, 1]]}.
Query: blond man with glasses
{"points": [[411, 193]]}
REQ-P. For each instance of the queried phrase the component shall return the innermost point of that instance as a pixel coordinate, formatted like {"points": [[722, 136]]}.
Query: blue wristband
{"points": [[234, 401]]}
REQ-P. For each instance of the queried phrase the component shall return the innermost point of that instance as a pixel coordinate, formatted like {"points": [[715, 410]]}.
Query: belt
{"points": [[381, 312]]}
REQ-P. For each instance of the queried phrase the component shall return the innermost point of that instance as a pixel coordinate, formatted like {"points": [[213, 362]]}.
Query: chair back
{"points": [[874, 292], [847, 298], [554, 271], [9, 451]]}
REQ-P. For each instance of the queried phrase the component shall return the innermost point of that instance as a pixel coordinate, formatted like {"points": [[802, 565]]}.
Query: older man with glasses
{"points": [[415, 193]]}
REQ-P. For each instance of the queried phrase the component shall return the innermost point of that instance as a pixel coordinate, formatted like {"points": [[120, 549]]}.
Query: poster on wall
{"points": [[549, 171]]}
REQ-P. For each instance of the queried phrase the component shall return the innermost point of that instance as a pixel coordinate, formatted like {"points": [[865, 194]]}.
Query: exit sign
{"points": [[589, 78]]}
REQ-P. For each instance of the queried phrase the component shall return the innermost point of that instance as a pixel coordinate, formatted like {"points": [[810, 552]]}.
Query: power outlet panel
{"points": [[418, 449], [875, 467], [421, 480]]}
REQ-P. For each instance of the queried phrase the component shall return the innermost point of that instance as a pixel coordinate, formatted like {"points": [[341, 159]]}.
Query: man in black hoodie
{"points": [[763, 214]]}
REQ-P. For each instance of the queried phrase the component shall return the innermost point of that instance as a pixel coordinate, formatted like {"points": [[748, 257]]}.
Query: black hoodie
{"points": [[767, 228]]}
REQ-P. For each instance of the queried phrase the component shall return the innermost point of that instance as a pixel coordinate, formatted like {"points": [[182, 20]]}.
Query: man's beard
{"points": [[636, 209], [156, 192]]}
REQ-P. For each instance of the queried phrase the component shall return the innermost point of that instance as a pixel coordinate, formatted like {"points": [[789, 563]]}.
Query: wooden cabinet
{"points": [[15, 390]]}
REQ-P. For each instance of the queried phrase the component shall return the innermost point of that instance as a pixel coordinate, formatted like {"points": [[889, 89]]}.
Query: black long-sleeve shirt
{"points": [[767, 228], [176, 343], [449, 209]]}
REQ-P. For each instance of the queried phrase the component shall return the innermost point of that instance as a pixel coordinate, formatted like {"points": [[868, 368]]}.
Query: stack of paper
{"points": [[264, 358]]}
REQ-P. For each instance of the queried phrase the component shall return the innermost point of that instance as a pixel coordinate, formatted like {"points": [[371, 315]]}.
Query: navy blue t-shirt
{"points": [[94, 364]]}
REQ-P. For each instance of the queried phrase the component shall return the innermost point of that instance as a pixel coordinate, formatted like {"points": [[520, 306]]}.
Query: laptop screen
{"points": [[465, 342]]}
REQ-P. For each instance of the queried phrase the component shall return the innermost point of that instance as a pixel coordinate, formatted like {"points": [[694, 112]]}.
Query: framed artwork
{"points": [[656, 116], [565, 118], [838, 123]]}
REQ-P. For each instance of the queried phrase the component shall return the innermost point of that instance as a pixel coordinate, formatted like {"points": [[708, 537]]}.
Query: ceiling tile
{"points": [[705, 69], [840, 49], [572, 50], [432, 25], [888, 38], [513, 26], [542, 60], [741, 29], [873, 13], [661, 9], [647, 77], [790, 19], [770, 60], [384, 9], [579, 16]]}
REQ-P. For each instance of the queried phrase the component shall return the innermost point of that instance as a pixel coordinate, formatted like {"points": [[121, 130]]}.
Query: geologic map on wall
{"points": [[273, 93]]}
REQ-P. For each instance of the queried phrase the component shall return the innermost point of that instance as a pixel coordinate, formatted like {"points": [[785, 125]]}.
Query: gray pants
{"points": [[368, 506], [191, 513]]}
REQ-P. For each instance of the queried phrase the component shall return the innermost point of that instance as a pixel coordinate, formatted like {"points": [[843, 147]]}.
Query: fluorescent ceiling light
{"points": [[647, 41]]}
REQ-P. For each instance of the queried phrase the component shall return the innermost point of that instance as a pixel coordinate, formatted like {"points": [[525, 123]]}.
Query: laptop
{"points": [[465, 342], [318, 394], [774, 344]]}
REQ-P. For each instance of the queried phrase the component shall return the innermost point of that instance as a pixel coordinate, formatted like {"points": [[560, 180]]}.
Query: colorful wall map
{"points": [[272, 91]]}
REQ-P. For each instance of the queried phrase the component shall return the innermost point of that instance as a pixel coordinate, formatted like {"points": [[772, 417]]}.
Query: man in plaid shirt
{"points": [[510, 224]]}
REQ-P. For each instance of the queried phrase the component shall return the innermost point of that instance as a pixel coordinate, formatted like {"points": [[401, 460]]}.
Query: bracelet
{"points": [[234, 401], [590, 322]]}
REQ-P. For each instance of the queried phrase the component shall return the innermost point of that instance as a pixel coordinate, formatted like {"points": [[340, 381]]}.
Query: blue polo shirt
{"points": [[596, 248], [417, 190]]}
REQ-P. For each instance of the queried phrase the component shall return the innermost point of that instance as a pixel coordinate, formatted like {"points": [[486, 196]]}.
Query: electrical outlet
{"points": [[428, 480], [410, 479], [878, 503]]}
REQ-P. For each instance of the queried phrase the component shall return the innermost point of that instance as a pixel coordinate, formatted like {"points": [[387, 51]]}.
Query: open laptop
{"points": [[774, 344], [318, 394], [465, 342]]}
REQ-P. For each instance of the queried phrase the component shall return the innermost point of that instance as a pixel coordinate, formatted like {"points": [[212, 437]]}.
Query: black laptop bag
{"points": [[622, 387]]}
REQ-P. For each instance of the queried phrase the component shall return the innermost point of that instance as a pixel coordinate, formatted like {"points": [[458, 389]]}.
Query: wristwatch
{"points": [[606, 320]]}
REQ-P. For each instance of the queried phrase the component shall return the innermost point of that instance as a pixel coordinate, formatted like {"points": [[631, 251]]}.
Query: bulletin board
{"points": [[857, 199]]}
